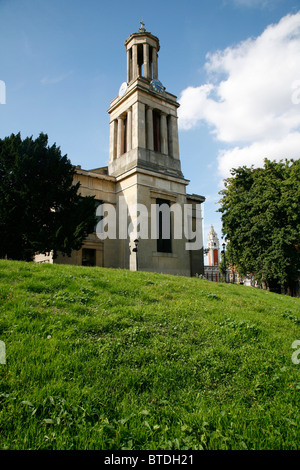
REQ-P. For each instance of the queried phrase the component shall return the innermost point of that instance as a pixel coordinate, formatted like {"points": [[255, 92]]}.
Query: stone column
{"points": [[154, 61], [120, 140], [173, 138], [128, 66], [146, 61], [135, 71], [113, 140], [138, 125], [149, 121], [163, 134], [129, 129]]}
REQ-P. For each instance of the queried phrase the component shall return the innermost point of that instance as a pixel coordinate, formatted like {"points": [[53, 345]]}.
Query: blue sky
{"points": [[233, 64]]}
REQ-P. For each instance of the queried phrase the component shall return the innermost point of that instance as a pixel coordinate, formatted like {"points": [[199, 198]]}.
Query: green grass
{"points": [[112, 359]]}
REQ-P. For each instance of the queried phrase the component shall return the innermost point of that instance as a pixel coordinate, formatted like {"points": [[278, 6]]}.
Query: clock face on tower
{"points": [[157, 86], [122, 89]]}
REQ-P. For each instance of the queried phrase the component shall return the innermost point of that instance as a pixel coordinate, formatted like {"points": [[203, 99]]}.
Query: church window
{"points": [[130, 64], [169, 130], [88, 257], [140, 58], [125, 135], [164, 244], [150, 61], [156, 131]]}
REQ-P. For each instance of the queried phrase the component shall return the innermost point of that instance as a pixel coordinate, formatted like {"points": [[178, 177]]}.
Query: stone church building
{"points": [[144, 168]]}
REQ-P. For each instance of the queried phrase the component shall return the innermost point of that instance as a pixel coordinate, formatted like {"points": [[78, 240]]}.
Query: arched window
{"points": [[156, 131], [164, 240]]}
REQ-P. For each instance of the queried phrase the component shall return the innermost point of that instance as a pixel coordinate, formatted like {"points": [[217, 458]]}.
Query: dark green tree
{"points": [[261, 222], [40, 206], [223, 266]]}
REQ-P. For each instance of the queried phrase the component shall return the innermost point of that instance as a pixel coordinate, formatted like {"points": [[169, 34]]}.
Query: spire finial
{"points": [[142, 29]]}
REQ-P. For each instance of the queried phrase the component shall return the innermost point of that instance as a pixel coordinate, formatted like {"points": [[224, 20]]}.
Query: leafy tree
{"points": [[261, 221], [40, 207], [223, 266]]}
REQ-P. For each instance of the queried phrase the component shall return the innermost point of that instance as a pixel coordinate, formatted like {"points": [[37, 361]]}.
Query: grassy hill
{"points": [[112, 359]]}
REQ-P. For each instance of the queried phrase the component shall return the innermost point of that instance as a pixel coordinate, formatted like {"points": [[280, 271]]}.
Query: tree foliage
{"points": [[261, 221], [40, 207], [223, 265]]}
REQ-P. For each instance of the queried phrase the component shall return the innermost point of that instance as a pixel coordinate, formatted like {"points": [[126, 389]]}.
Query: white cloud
{"points": [[254, 3], [254, 154], [251, 100], [55, 79]]}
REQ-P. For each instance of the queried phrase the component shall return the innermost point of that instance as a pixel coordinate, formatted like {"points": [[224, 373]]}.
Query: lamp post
{"points": [[135, 250], [223, 252]]}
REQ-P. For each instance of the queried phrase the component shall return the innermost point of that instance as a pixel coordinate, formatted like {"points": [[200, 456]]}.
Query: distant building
{"points": [[213, 247], [211, 270]]}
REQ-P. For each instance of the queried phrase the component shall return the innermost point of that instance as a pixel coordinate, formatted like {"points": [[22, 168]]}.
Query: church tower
{"points": [[142, 190], [144, 160], [213, 248], [143, 118]]}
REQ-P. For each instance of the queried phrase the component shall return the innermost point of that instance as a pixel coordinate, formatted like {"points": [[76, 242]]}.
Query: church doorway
{"points": [[88, 257]]}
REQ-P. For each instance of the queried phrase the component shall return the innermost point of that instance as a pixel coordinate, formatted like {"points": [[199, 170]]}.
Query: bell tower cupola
{"points": [[143, 117], [142, 48]]}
